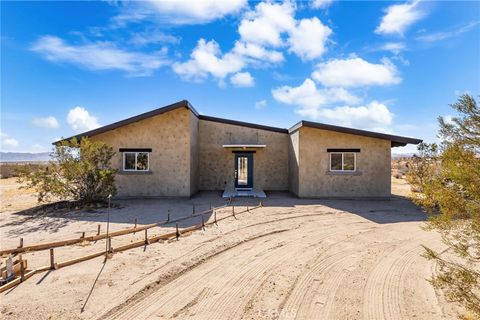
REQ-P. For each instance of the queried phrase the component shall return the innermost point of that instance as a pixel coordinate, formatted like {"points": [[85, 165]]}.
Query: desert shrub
{"points": [[78, 170], [448, 179]]}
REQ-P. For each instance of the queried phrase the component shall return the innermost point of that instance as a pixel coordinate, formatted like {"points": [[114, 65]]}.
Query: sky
{"points": [[387, 66]]}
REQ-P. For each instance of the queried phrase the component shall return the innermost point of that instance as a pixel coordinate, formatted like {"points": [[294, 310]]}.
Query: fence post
{"points": [[98, 230], [135, 226], [83, 234], [22, 268], [168, 217], [52, 259], [203, 223], [21, 243], [193, 208], [215, 216], [146, 237], [177, 233]]}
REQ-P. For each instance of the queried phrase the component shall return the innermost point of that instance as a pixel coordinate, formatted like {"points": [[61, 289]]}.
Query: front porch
{"points": [[235, 193]]}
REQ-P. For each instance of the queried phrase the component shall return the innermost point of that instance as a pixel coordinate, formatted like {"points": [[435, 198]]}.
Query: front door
{"points": [[244, 170]]}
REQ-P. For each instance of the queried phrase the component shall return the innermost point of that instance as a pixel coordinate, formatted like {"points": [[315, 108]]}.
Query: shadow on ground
{"points": [[147, 211]]}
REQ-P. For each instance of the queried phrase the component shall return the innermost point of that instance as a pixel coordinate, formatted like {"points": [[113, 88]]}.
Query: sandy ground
{"points": [[291, 259]]}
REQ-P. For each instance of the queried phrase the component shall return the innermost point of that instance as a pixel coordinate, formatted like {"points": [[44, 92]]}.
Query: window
{"points": [[136, 161], [343, 161]]}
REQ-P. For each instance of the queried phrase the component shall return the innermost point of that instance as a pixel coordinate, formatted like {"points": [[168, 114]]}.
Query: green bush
{"points": [[448, 179], [78, 171]]}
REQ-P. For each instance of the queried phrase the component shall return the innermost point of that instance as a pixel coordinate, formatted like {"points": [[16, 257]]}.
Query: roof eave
{"points": [[396, 141]]}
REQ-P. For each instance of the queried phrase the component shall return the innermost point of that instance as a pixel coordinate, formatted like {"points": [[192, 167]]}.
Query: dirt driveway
{"points": [[292, 259]]}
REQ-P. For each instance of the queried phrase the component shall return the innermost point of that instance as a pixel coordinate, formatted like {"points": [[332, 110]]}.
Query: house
{"points": [[175, 152]]}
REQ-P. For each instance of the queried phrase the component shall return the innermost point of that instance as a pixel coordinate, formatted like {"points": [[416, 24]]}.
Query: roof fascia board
{"points": [[242, 124], [396, 140]]}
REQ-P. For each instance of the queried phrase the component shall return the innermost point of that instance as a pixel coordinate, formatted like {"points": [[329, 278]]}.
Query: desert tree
{"points": [[79, 170], [448, 181]]}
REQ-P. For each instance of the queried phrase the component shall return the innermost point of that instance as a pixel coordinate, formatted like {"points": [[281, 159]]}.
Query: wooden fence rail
{"points": [[98, 236], [139, 243]]}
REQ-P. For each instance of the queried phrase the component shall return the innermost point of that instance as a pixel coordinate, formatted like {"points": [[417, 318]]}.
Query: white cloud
{"points": [[394, 47], [313, 103], [260, 104], [80, 120], [373, 116], [308, 38], [263, 30], [39, 148], [207, 59], [448, 119], [256, 52], [355, 72], [242, 79], [309, 98], [264, 25], [152, 37], [438, 36], [99, 56], [178, 12], [320, 4], [47, 122], [399, 17], [7, 142]]}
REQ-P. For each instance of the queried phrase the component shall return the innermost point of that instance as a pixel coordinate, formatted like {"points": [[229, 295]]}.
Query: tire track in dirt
{"points": [[119, 310], [234, 282], [383, 298], [313, 294], [243, 228], [244, 275], [246, 287]]}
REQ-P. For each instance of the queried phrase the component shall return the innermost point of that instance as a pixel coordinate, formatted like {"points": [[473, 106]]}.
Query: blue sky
{"points": [[67, 67]]}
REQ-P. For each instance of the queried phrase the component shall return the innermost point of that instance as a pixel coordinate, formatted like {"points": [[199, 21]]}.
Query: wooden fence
{"points": [[20, 265]]}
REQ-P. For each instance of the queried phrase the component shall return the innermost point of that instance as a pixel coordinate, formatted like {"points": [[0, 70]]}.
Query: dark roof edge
{"points": [[397, 141], [243, 124], [142, 116]]}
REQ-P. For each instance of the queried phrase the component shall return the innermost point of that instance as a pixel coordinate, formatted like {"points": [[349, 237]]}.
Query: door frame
{"points": [[249, 155]]}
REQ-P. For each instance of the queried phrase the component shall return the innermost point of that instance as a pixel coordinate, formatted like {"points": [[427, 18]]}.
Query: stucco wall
{"points": [[194, 133], [373, 165], [169, 136], [216, 164], [293, 162]]}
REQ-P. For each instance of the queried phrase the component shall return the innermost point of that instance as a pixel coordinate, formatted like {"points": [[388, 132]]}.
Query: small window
{"points": [[342, 161], [136, 161]]}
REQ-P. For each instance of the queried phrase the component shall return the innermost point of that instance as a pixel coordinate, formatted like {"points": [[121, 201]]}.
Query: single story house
{"points": [[174, 151]]}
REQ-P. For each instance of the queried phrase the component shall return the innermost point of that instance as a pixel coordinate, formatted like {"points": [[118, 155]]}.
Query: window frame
{"points": [[136, 157], [343, 161]]}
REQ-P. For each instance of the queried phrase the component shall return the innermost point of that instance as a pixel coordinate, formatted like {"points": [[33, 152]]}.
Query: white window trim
{"points": [[136, 155], [343, 163]]}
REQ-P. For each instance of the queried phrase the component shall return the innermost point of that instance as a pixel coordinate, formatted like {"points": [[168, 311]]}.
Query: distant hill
{"points": [[23, 156], [402, 155]]}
